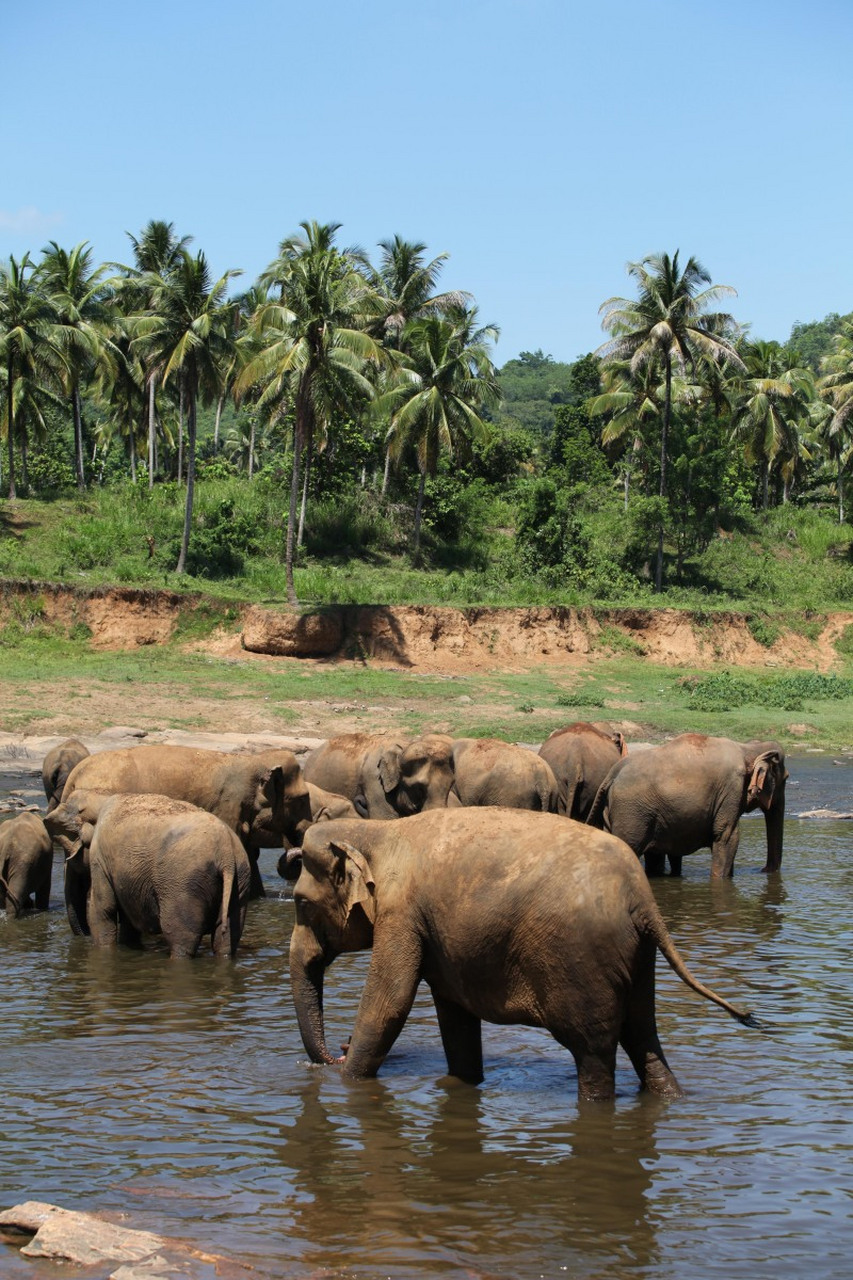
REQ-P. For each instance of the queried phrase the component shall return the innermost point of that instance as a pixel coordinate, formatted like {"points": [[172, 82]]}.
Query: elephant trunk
{"points": [[307, 967], [774, 821]]}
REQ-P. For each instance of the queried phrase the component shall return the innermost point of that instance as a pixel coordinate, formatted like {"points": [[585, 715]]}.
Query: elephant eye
{"points": [[304, 908]]}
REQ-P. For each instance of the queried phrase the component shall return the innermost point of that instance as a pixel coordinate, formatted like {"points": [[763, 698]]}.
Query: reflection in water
{"points": [[178, 1093], [431, 1180]]}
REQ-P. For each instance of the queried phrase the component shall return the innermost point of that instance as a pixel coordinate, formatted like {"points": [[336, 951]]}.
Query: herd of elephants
{"points": [[510, 880]]}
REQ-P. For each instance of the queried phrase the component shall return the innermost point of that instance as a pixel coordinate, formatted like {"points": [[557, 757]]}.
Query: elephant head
{"points": [[766, 776], [72, 826], [335, 898], [421, 776], [275, 807]]}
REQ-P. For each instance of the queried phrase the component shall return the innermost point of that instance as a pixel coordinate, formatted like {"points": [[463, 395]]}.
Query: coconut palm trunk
{"points": [[152, 429], [10, 426], [664, 450], [188, 505], [291, 515]]}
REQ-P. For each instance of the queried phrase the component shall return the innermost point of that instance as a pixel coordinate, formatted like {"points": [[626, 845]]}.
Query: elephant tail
{"points": [[655, 928], [595, 817], [223, 940]]}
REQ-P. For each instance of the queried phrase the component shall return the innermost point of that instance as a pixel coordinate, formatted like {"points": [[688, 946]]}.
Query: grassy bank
{"points": [[51, 683]]}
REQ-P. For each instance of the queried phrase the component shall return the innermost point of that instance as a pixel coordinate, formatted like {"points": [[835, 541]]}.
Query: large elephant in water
{"points": [[509, 917], [264, 802], [581, 755], [437, 771], [689, 794], [147, 864]]}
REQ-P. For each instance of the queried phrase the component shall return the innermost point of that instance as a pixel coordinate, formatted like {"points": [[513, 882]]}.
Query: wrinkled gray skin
{"points": [[689, 794], [264, 801], [26, 862], [437, 771], [57, 766], [325, 807], [580, 756], [508, 916], [147, 864], [364, 768]]}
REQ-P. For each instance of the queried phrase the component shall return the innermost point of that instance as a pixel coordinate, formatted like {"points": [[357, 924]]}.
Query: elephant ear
{"points": [[762, 782], [389, 769], [356, 876]]}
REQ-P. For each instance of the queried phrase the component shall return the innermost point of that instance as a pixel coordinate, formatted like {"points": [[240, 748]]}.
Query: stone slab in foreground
{"points": [[65, 1235]]}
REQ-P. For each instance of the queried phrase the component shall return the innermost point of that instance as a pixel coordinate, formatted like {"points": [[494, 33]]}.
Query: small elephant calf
{"points": [[26, 862], [147, 864]]}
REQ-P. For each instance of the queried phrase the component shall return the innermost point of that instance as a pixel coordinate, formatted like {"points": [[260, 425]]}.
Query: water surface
{"points": [[179, 1095]]}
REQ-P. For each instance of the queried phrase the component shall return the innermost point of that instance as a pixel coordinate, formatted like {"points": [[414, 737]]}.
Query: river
{"points": [[178, 1094]]}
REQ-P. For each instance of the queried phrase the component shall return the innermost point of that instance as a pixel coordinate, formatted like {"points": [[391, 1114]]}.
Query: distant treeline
{"points": [[361, 387]]}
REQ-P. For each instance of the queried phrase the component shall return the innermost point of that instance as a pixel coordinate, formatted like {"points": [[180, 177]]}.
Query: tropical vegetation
{"points": [[342, 418]]}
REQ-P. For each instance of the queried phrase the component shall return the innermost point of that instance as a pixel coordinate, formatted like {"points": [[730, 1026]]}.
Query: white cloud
{"points": [[28, 221]]}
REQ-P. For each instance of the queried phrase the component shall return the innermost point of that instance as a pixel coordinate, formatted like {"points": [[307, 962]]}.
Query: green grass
{"points": [[789, 561], [799, 709]]}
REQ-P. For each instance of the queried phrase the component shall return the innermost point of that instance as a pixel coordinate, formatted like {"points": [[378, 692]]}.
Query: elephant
{"points": [[324, 808], [26, 863], [56, 767], [437, 771], [507, 916], [689, 794], [264, 802], [580, 756], [147, 864], [362, 767]]}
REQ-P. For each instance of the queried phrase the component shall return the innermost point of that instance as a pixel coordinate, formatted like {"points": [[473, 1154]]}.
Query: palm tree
{"points": [[26, 350], [435, 400], [187, 336], [157, 253], [80, 324], [836, 388], [668, 324], [773, 397], [120, 393], [314, 343], [406, 283]]}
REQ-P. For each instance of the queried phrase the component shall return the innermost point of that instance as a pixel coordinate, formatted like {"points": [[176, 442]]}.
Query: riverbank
{"points": [[166, 665]]}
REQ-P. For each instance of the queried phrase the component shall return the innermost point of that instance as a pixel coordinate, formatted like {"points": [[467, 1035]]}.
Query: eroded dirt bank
{"points": [[423, 637]]}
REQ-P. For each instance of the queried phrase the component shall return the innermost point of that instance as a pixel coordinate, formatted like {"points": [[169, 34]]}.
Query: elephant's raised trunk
{"points": [[774, 822], [307, 967]]}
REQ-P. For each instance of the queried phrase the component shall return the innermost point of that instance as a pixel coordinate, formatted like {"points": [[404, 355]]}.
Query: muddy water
{"points": [[178, 1094]]}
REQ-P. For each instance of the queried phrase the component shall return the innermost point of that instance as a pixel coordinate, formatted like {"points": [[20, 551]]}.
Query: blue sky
{"points": [[542, 144]]}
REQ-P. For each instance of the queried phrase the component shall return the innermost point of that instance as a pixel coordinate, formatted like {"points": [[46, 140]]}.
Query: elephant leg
{"points": [[655, 864], [723, 852], [593, 1050], [225, 935], [596, 1074], [42, 889], [389, 992], [102, 911], [639, 1035], [675, 861], [129, 935], [16, 897], [461, 1035], [256, 884], [182, 924]]}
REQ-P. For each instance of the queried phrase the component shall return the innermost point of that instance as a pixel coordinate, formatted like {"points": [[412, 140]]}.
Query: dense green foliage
{"points": [[342, 426]]}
